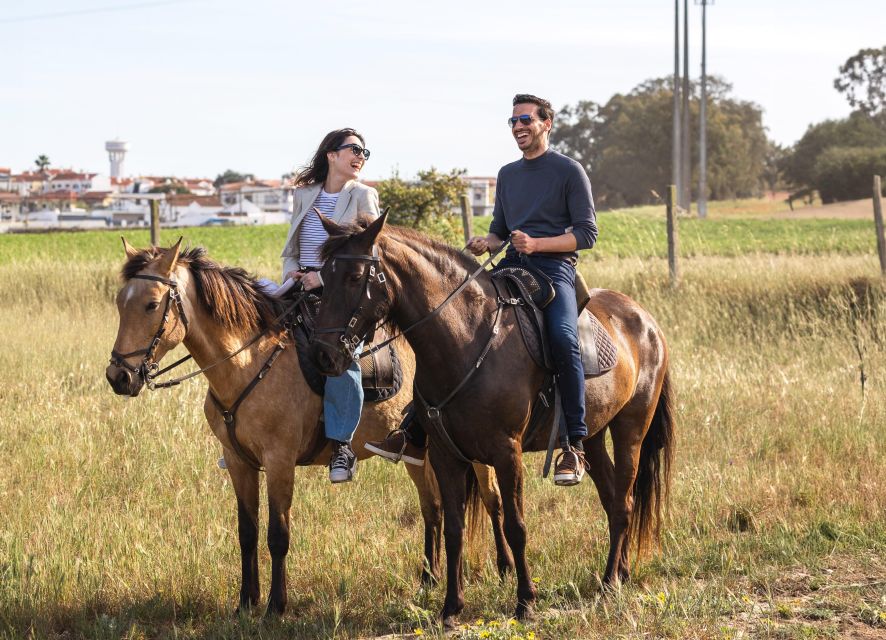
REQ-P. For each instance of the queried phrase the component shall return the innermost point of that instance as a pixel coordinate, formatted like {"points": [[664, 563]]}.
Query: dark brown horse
{"points": [[487, 418], [214, 311]]}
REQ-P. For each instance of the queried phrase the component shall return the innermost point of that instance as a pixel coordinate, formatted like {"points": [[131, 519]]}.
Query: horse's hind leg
{"points": [[628, 430], [245, 481], [489, 492], [509, 470], [602, 472], [280, 480], [432, 514]]}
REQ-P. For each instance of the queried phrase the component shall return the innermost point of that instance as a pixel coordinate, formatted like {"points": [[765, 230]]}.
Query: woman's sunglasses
{"points": [[356, 148], [524, 119]]}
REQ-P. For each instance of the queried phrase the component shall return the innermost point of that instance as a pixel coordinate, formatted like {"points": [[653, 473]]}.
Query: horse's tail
{"points": [[475, 511], [654, 471]]}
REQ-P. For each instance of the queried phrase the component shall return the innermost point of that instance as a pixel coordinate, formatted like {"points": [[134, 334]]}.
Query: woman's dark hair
{"points": [[544, 110], [317, 169]]}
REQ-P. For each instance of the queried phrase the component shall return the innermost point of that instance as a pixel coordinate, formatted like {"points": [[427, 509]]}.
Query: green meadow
{"points": [[117, 522]]}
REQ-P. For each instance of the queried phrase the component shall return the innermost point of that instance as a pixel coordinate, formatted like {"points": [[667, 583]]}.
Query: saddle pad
{"points": [[598, 353]]}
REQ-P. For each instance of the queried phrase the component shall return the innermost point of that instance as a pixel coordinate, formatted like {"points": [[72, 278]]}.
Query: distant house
{"points": [[267, 195], [10, 205], [77, 182], [481, 193], [5, 179]]}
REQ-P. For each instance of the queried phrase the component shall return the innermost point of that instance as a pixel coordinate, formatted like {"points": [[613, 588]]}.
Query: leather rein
{"points": [[350, 339]]}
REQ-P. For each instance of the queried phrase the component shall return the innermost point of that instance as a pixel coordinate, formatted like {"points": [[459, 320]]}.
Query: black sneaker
{"points": [[343, 464], [396, 447], [569, 468]]}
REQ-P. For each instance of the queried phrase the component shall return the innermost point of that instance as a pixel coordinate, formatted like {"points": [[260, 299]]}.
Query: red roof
{"points": [[73, 175], [185, 199], [9, 196], [59, 195]]}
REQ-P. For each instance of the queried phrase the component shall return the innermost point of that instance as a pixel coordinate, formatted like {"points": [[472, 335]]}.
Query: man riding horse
{"points": [[543, 202]]}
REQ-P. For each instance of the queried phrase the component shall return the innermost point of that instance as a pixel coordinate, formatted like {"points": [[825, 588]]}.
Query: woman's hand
{"points": [[309, 280]]}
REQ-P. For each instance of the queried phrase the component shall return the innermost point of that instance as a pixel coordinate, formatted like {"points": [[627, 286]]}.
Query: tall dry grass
{"points": [[118, 523]]}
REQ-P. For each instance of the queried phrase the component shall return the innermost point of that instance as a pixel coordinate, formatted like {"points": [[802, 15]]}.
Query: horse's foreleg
{"points": [[432, 514], [452, 479], [489, 492], [245, 481], [280, 481], [509, 470]]}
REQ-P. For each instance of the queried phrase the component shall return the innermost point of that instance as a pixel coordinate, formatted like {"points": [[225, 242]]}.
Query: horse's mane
{"points": [[230, 294], [440, 254]]}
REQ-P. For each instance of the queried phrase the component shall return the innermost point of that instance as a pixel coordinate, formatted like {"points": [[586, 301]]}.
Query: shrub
{"points": [[843, 173]]}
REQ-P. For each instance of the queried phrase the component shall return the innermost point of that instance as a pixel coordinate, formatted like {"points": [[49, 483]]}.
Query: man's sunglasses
{"points": [[356, 148], [524, 119]]}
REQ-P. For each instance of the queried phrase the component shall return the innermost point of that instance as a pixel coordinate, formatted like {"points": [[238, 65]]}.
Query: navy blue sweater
{"points": [[545, 197]]}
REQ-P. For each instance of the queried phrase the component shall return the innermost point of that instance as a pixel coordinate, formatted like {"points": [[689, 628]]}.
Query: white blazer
{"points": [[354, 199]]}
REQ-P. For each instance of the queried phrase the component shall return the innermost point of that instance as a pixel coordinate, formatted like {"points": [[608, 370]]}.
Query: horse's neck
{"points": [[464, 320], [208, 343]]}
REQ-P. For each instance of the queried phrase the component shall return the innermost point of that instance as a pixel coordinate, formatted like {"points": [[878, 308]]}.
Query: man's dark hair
{"points": [[544, 109]]}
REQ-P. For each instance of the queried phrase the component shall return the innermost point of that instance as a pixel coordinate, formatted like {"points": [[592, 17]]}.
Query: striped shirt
{"points": [[311, 234]]}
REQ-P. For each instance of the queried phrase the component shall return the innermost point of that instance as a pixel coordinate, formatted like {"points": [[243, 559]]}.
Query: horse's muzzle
{"points": [[329, 360], [123, 381]]}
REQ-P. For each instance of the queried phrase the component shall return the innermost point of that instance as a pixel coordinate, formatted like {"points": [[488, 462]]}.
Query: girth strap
{"points": [[230, 415]]}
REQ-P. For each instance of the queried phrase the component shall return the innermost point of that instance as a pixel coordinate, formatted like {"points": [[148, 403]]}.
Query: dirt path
{"points": [[852, 210]]}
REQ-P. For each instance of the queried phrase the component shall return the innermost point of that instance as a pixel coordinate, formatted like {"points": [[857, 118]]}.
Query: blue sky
{"points": [[200, 86]]}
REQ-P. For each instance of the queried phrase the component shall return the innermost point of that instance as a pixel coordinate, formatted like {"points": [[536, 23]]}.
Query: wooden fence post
{"points": [[155, 222], [672, 234], [878, 223], [466, 217]]}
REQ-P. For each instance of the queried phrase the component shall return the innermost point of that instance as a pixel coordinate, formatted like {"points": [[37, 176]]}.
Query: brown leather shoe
{"points": [[569, 468], [396, 447]]}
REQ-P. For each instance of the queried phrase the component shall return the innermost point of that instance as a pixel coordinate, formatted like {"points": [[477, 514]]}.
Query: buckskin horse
{"points": [[402, 276], [169, 298]]}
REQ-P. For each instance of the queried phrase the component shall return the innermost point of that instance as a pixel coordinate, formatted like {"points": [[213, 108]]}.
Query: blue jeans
{"points": [[561, 321], [343, 402]]}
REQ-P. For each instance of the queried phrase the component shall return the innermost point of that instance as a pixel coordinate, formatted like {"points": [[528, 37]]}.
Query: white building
{"points": [[77, 182]]}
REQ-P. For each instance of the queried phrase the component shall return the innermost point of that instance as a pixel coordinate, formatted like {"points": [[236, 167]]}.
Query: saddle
{"points": [[531, 291], [381, 372]]}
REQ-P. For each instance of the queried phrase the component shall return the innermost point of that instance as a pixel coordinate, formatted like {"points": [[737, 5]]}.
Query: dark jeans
{"points": [[561, 320]]}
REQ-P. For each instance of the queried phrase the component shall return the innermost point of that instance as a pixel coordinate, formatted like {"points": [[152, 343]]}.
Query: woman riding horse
{"points": [[328, 185]]}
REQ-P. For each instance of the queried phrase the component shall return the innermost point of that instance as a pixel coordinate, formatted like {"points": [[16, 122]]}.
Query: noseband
{"points": [[147, 370], [350, 339]]}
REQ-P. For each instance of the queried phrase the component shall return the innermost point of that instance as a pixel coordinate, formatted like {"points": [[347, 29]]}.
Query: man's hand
{"points": [[309, 280], [523, 243], [478, 245]]}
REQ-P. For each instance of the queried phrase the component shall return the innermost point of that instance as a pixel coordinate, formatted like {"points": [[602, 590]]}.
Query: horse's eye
{"points": [[355, 277], [152, 306]]}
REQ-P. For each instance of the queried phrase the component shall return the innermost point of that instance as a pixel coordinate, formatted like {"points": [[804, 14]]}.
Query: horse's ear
{"points": [[170, 258], [332, 227], [128, 248], [374, 229]]}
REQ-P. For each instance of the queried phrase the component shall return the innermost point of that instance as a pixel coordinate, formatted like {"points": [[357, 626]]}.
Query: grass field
{"points": [[118, 523]]}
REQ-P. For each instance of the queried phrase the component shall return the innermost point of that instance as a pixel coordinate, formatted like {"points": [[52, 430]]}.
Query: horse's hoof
{"points": [[450, 622], [524, 611]]}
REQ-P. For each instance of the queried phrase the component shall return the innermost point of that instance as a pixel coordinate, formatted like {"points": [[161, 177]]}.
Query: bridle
{"points": [[350, 338], [147, 370]]}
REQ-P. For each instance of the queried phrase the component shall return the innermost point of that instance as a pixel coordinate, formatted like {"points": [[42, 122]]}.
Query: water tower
{"points": [[116, 154]]}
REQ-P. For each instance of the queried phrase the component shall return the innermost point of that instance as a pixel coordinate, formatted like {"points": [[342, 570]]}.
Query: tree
{"points": [[230, 176], [773, 165], [862, 80], [42, 162], [856, 131], [170, 187], [625, 145], [426, 203]]}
